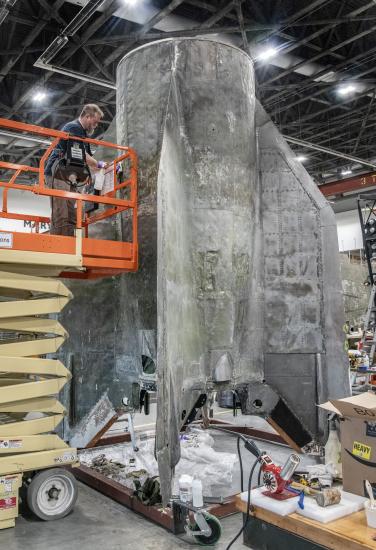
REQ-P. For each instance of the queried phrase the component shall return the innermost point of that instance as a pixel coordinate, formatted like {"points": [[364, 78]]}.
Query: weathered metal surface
{"points": [[248, 291], [239, 284], [196, 144], [304, 358], [92, 426]]}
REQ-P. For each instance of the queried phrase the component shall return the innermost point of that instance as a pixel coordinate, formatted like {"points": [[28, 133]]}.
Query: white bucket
{"points": [[370, 513]]}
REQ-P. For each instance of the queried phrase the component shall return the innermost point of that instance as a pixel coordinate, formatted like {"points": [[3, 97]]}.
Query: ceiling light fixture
{"points": [[346, 172], [267, 54], [301, 158], [39, 96], [348, 89]]}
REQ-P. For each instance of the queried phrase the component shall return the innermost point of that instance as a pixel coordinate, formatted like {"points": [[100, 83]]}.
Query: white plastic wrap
{"points": [[198, 458]]}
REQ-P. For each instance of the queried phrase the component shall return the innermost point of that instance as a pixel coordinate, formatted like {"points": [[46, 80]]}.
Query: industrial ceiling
{"points": [[314, 59]]}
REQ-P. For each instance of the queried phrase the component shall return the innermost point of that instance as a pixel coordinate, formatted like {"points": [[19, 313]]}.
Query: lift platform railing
{"points": [[111, 201]]}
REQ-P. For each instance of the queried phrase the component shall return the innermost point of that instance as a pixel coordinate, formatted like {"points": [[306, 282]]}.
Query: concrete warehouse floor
{"points": [[98, 522]]}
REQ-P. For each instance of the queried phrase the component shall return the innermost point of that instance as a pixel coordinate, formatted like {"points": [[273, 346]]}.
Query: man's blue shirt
{"points": [[75, 129]]}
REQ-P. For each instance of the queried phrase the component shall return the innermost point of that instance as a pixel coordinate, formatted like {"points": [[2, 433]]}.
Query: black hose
{"points": [[241, 464], [248, 505], [67, 181], [259, 477], [225, 430], [252, 447]]}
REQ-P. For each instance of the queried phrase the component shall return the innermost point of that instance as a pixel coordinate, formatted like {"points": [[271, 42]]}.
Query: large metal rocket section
{"points": [[245, 272]]}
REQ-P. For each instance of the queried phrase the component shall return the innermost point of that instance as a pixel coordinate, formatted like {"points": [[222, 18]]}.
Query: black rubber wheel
{"points": [[216, 531], [52, 494]]}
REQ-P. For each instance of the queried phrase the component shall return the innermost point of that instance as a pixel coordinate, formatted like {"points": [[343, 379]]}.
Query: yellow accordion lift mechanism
{"points": [[31, 454], [29, 409]]}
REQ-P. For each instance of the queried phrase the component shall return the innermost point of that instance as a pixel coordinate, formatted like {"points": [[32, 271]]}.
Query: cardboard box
{"points": [[358, 439]]}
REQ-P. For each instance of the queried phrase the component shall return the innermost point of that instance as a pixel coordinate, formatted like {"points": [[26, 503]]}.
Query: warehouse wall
{"points": [[349, 232]]}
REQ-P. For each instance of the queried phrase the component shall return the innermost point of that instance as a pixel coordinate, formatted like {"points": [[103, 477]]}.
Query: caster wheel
{"points": [[52, 494], [216, 531]]}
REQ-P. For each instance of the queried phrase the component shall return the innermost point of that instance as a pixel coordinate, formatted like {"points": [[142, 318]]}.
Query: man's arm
{"points": [[92, 163]]}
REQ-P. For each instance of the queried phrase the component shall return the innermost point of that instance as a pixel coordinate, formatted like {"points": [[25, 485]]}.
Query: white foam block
{"points": [[280, 507], [349, 504]]}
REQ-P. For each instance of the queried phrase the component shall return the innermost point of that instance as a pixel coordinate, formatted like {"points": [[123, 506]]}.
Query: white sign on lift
{"points": [[6, 240]]}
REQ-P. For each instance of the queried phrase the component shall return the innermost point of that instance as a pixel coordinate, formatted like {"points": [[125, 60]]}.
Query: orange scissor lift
{"points": [[80, 256], [31, 268]]}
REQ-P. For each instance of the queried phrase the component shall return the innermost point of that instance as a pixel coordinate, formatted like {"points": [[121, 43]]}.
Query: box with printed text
{"points": [[358, 439]]}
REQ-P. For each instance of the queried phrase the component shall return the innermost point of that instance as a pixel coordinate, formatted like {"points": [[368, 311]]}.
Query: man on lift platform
{"points": [[78, 156]]}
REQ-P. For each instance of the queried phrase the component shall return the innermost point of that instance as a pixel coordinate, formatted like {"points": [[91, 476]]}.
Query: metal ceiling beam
{"points": [[134, 37], [286, 23], [239, 11], [315, 58], [42, 63], [334, 106], [363, 151], [307, 86], [308, 145], [111, 8], [321, 74], [16, 18], [218, 15], [205, 28], [339, 121], [349, 184], [16, 51], [249, 25], [144, 29], [72, 27], [4, 9], [338, 136], [363, 125], [119, 51], [27, 42]]}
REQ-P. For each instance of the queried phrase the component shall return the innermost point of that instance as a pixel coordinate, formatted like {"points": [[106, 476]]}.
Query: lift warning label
{"points": [[10, 443], [6, 240], [9, 502]]}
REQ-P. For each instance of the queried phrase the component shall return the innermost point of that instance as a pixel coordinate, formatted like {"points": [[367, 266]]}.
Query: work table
{"points": [[348, 533]]}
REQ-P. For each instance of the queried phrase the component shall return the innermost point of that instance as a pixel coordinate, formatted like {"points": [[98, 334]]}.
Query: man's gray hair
{"points": [[91, 109]]}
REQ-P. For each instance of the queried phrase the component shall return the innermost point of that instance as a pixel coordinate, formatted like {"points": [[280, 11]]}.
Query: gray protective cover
{"points": [[245, 275]]}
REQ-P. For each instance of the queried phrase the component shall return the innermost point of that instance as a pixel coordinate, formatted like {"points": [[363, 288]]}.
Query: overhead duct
{"points": [[43, 62], [25, 141], [332, 152], [4, 9]]}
